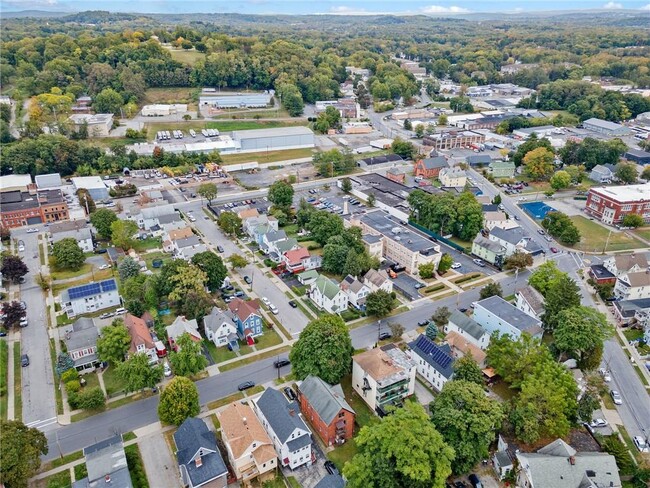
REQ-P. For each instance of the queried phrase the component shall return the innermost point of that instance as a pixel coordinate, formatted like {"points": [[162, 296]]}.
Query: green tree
{"points": [[122, 232], [407, 124], [396, 329], [102, 220], [91, 398], [128, 268], [21, 448], [189, 359], [468, 421], [545, 274], [403, 148], [230, 223], [497, 199], [372, 199], [538, 163], [514, 360], [559, 225], [426, 270], [179, 400], [346, 185], [138, 374], [323, 225], [68, 255], [114, 343], [212, 265], [379, 303], [237, 261], [404, 449], [560, 180], [281, 195], [352, 264], [580, 331], [13, 268], [324, 349], [518, 260], [468, 216], [445, 263], [467, 369], [562, 294], [108, 101], [441, 316], [207, 191], [588, 403], [646, 173], [530, 144], [490, 290], [419, 131], [630, 220], [443, 120], [187, 279], [626, 173], [431, 331]]}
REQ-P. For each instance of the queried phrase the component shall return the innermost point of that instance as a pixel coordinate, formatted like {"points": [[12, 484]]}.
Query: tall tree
{"points": [[562, 294], [108, 101], [324, 225], [13, 268], [122, 232], [404, 449], [230, 223], [207, 191], [128, 268], [580, 331], [543, 276], [467, 369], [626, 173], [113, 343], [560, 180], [21, 448], [237, 261], [281, 195], [187, 279], [67, 254], [179, 400], [189, 360], [213, 267], [468, 421], [86, 201], [441, 316], [518, 260], [324, 349], [138, 374], [13, 312], [102, 220], [379, 303], [490, 290], [538, 163], [445, 263]]}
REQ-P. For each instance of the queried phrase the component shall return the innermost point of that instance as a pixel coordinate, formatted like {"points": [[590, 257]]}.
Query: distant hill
{"points": [[32, 13]]}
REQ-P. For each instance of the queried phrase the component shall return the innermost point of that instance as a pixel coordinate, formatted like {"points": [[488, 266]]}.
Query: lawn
{"points": [[219, 354], [267, 156], [18, 399], [273, 113], [59, 480], [237, 364], [190, 57], [147, 244], [60, 461], [57, 391], [151, 256], [4, 372], [169, 95], [633, 334], [644, 233], [364, 416], [268, 339], [80, 471], [112, 383], [230, 125], [594, 237], [65, 274], [225, 401], [343, 454]]}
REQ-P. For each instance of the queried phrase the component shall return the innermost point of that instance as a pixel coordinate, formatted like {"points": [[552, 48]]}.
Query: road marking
{"points": [[39, 424]]}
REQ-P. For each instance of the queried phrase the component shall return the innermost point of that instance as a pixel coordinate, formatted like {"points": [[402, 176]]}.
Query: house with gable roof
{"points": [[141, 339], [356, 291], [299, 260], [182, 326], [106, 465], [429, 167], [327, 295], [219, 327], [468, 329], [199, 460], [621, 264], [378, 280], [247, 318], [434, 363], [81, 343], [530, 301], [494, 314], [91, 297]]}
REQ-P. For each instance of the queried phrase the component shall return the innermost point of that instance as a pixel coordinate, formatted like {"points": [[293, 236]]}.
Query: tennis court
{"points": [[537, 210]]}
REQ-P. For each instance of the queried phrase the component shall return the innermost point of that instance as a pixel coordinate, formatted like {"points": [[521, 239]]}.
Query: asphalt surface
{"points": [[39, 402]]}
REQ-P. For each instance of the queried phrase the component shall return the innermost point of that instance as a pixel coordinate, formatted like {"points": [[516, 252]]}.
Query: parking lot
{"points": [[263, 177]]}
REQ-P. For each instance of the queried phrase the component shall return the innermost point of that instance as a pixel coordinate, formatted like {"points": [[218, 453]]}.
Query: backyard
{"points": [[595, 237]]}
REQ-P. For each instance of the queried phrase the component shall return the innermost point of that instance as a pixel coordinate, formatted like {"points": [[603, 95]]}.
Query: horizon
{"points": [[327, 7]]}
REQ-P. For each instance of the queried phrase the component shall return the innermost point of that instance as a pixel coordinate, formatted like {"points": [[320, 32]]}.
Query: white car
{"points": [[32, 231], [605, 374], [641, 444], [616, 397], [456, 266], [167, 370], [266, 301], [21, 248], [105, 266], [595, 423], [274, 309]]}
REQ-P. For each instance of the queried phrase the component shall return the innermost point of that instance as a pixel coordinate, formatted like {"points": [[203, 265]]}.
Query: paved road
{"points": [[39, 403]]}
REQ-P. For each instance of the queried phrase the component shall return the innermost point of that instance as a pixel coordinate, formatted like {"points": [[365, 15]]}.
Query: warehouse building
{"points": [[605, 127], [94, 184], [211, 98], [160, 110], [15, 182], [52, 180], [98, 125], [274, 139], [638, 156]]}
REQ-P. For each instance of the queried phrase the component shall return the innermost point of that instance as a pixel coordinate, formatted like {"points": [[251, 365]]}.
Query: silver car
{"points": [[616, 396]]}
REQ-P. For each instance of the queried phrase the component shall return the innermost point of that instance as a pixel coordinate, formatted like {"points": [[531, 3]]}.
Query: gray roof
{"points": [[469, 325], [353, 284], [168, 218], [601, 272], [331, 481], [190, 437], [299, 443], [488, 244], [371, 238], [384, 224], [188, 242], [278, 413], [286, 245], [78, 235], [479, 159], [279, 132], [533, 297], [605, 124], [599, 168], [516, 235], [276, 235], [439, 357], [503, 458], [217, 317], [326, 400], [66, 225], [511, 314], [106, 458], [83, 334], [436, 162], [628, 308]]}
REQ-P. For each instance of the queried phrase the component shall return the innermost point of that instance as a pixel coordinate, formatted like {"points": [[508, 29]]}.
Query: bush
{"points": [[69, 375], [312, 247], [72, 386], [73, 400], [431, 289], [136, 468], [467, 278], [92, 398]]}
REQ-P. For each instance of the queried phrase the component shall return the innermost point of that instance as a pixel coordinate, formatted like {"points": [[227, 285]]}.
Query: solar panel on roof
{"points": [[108, 285], [428, 347], [91, 289]]}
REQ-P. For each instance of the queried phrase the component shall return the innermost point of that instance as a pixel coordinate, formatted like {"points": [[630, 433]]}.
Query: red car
{"points": [[554, 250]]}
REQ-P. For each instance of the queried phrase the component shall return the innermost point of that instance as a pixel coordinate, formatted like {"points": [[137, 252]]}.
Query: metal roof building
{"points": [[274, 139]]}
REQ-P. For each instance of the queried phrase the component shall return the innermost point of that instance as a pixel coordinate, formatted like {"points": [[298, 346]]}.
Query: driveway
{"points": [[309, 476], [158, 461]]}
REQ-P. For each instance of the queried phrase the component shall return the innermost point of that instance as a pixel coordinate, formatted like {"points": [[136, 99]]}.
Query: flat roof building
{"points": [[94, 184], [160, 110], [98, 125], [274, 139], [610, 204], [52, 180], [15, 182], [606, 127], [217, 99], [19, 208]]}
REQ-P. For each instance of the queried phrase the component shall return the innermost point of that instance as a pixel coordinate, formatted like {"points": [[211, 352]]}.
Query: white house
{"points": [[621, 264], [498, 219], [186, 248], [514, 239], [149, 217], [468, 329], [452, 177], [82, 235], [181, 326], [633, 286], [378, 280], [283, 423], [89, 298], [434, 363], [356, 290], [328, 296], [220, 327], [530, 301], [601, 174], [495, 314]]}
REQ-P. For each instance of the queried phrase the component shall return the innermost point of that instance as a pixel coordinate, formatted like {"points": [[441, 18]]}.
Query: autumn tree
{"points": [[179, 400], [560, 180], [633, 220], [12, 312], [538, 163], [237, 261]]}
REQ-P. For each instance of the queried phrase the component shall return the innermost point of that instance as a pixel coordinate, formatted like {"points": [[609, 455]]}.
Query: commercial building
{"points": [[19, 208], [211, 98], [494, 314], [49, 181], [348, 108], [90, 298], [429, 167], [502, 169], [540, 132], [15, 183], [638, 156], [383, 376], [357, 128], [611, 204], [390, 195], [97, 125], [161, 110], [606, 128], [274, 139], [453, 139], [94, 184]]}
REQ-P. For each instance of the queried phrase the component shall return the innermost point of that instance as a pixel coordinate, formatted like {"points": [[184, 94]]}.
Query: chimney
{"points": [[572, 460], [107, 478], [199, 462], [292, 412], [244, 419]]}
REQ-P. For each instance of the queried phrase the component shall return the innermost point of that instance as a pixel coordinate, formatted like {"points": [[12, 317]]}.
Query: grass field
{"points": [[267, 157], [273, 113], [594, 237], [644, 233], [112, 383], [169, 95], [17, 386], [4, 371], [190, 57]]}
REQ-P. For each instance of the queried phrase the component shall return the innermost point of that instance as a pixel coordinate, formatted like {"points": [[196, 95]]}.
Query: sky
{"points": [[341, 7]]}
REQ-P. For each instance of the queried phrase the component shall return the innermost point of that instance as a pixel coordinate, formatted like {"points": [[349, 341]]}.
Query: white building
{"points": [[83, 237], [94, 184], [383, 376], [98, 125], [434, 362], [453, 177], [150, 217], [90, 298], [498, 219], [219, 327], [356, 290], [494, 314], [633, 286], [530, 301], [468, 329], [160, 110], [328, 296], [52, 180], [621, 264], [283, 423], [378, 280]]}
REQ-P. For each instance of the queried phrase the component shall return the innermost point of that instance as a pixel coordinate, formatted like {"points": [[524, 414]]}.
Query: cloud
{"points": [[645, 7], [342, 9], [439, 9], [613, 5]]}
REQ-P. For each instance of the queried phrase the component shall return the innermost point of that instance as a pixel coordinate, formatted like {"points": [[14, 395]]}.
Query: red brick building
{"points": [[429, 167], [610, 204], [19, 208], [396, 175], [325, 408]]}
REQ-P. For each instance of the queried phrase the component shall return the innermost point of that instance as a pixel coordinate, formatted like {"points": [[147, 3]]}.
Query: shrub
{"points": [[69, 375], [72, 386], [92, 398]]}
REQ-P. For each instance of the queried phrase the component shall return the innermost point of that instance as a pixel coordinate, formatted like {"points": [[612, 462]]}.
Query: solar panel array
{"points": [[429, 347], [91, 289]]}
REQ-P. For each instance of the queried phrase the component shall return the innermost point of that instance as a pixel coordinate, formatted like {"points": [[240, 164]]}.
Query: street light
{"points": [[378, 330]]}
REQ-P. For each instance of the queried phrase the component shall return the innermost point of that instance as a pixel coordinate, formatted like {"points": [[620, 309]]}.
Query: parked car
{"points": [[605, 374], [541, 232], [456, 265], [475, 481], [106, 315], [120, 311], [423, 323], [462, 310], [293, 304], [281, 362], [274, 310], [32, 231], [479, 262], [167, 370], [245, 385], [23, 305], [641, 444], [220, 248], [554, 250], [616, 396], [24, 323], [460, 484], [266, 301], [291, 395], [3, 332], [105, 266], [248, 279], [385, 335], [596, 423], [331, 468], [24, 360]]}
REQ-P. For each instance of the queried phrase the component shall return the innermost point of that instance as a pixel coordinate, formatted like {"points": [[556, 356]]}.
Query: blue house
{"points": [[247, 318]]}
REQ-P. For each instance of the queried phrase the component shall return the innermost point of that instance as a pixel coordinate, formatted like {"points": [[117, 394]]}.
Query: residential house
{"points": [[182, 326], [479, 160], [356, 291], [378, 280], [270, 238], [461, 347], [188, 247], [284, 424], [199, 460], [326, 409], [306, 278], [167, 223], [247, 318], [256, 227], [489, 251], [632, 286], [560, 465], [515, 239], [299, 260], [79, 232], [501, 460], [502, 169], [601, 275], [530, 301], [150, 216], [81, 342], [434, 363], [219, 327], [327, 295], [453, 177], [141, 339], [468, 329], [429, 167], [628, 312], [383, 376], [106, 465], [247, 213], [621, 264], [499, 219], [278, 248], [89, 298], [601, 174], [250, 449], [170, 238], [494, 314]]}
